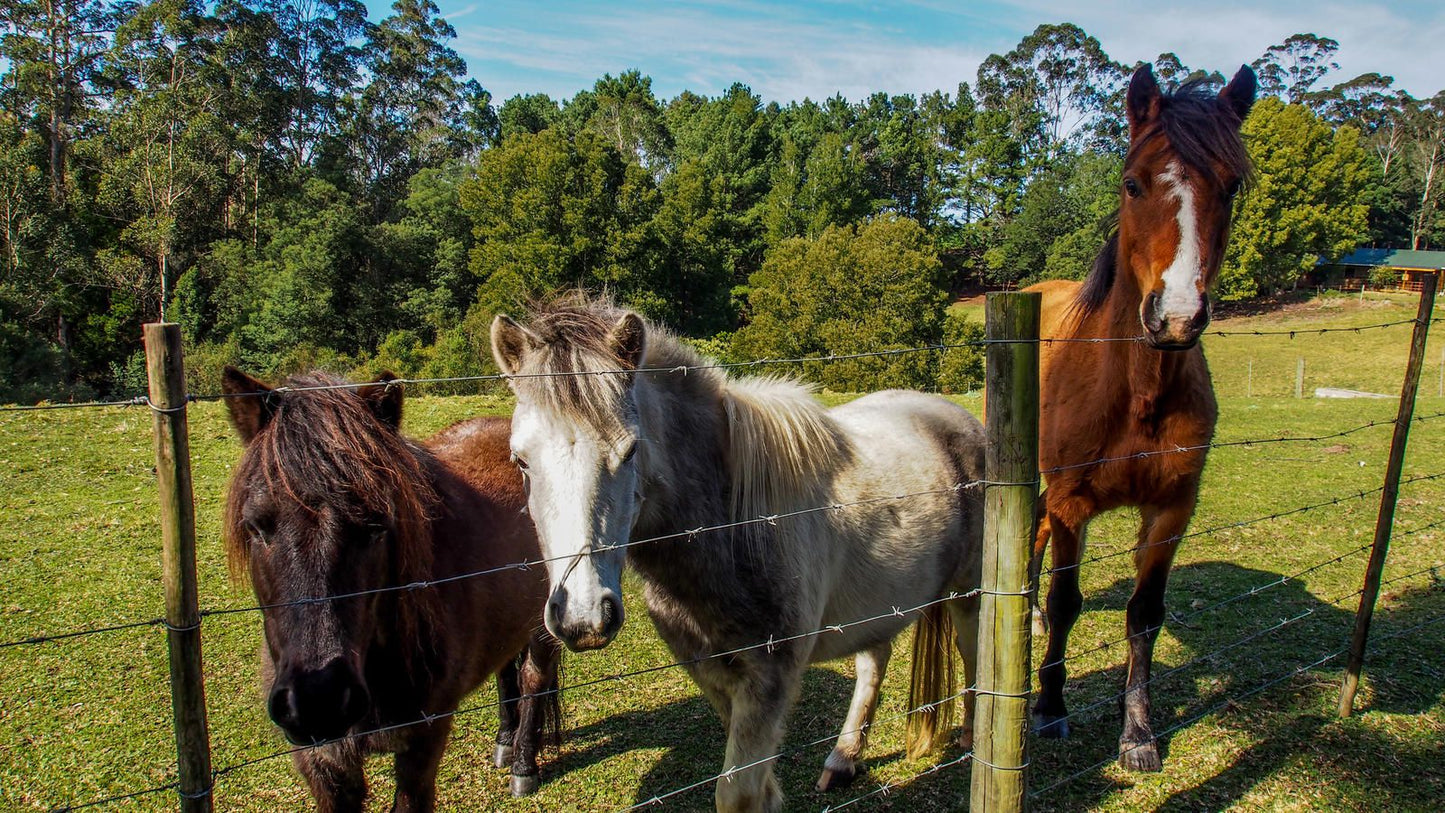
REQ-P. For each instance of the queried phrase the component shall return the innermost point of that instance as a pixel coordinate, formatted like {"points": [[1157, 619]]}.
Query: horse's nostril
{"points": [[611, 614], [282, 706], [1149, 312]]}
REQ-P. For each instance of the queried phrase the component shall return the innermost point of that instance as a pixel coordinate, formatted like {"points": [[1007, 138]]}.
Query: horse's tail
{"points": [[931, 689]]}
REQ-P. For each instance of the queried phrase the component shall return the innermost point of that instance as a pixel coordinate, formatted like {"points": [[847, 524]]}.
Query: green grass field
{"points": [[90, 717]]}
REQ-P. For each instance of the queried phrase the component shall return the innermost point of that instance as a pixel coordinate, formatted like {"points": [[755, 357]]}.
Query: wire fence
{"points": [[772, 642], [750, 364]]}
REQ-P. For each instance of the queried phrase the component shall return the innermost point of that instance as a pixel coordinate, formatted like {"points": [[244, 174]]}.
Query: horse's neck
{"points": [[683, 461], [1139, 374]]}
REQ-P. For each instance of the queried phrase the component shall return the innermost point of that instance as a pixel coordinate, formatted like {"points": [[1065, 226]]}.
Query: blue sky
{"points": [[814, 48]]}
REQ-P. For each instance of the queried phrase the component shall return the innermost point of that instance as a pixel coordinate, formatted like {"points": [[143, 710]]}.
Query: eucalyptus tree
{"points": [[167, 145], [55, 50], [407, 115], [1291, 69]]}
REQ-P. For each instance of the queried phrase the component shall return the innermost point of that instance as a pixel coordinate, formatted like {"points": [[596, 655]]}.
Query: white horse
{"points": [[613, 457]]}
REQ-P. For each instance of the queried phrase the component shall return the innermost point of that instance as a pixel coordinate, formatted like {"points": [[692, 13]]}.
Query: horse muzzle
{"points": [[313, 706], [592, 631], [1172, 331]]}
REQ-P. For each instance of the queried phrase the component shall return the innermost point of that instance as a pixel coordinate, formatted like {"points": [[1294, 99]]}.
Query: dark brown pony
{"points": [[1113, 400], [330, 500]]}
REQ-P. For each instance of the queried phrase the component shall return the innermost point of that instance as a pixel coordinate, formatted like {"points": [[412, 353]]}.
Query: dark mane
{"points": [[1096, 285], [1203, 132], [327, 448]]}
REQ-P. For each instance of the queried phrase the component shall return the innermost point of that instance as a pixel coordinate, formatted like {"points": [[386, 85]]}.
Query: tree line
{"points": [[298, 187]]}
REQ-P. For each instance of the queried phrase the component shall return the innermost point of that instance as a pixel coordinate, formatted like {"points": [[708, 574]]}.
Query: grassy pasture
{"points": [[89, 717]]}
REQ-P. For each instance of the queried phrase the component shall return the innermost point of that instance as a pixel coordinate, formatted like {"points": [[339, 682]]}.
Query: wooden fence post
{"points": [[166, 370], [1388, 497], [1000, 766]]}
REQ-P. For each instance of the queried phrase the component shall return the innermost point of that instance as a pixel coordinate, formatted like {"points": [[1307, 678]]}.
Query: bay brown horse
{"points": [[329, 499], [1131, 403]]}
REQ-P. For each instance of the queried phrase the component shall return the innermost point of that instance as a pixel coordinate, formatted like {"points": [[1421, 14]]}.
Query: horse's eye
{"points": [[630, 453], [1131, 186], [1233, 188], [520, 463], [258, 533]]}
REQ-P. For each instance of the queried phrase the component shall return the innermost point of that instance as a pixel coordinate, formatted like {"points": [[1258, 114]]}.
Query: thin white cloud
{"points": [[784, 54]]}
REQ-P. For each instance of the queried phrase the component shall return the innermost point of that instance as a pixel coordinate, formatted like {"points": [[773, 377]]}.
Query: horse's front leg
{"points": [[416, 766], [842, 765], [1064, 603], [540, 704], [1158, 540], [760, 701], [508, 693], [334, 775]]}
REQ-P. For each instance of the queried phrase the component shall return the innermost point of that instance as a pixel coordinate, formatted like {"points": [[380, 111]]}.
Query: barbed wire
{"points": [[61, 636], [690, 534], [663, 797], [1179, 618], [174, 785], [1232, 699], [770, 519], [1248, 638], [684, 369], [771, 643], [1247, 442], [1240, 524], [1313, 331], [885, 788]]}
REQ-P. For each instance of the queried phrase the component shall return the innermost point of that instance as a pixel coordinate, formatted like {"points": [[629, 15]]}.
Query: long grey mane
{"points": [[781, 445]]}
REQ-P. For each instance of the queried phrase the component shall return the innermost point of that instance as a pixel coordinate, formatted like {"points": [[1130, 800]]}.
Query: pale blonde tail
{"points": [[932, 685]]}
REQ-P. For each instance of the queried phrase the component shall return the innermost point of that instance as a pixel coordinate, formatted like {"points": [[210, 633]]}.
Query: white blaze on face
{"points": [[1182, 299], [582, 507]]}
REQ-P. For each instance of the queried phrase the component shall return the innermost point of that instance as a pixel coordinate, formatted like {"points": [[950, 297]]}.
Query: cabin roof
{"points": [[1394, 258]]}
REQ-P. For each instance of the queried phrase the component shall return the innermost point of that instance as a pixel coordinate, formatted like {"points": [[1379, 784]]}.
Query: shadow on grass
{"points": [[694, 743], [1405, 675]]}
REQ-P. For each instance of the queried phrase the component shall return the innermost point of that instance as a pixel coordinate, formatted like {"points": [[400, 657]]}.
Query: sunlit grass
{"points": [[90, 717]]}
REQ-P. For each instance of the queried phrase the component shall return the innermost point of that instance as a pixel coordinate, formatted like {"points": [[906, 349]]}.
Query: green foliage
{"points": [[1061, 221], [1305, 202], [296, 184], [852, 289], [960, 368], [551, 212]]}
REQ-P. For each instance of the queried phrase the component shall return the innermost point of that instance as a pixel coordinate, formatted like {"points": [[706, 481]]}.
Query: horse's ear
{"points": [[509, 341], [385, 400], [251, 403], [629, 340], [1142, 100], [1238, 95]]}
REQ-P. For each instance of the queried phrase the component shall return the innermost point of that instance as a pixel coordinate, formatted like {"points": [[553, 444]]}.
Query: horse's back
{"points": [[480, 450], [1057, 315], [918, 448]]}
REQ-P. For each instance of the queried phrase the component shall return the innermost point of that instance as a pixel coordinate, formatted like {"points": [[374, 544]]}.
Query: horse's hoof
{"points": [[503, 756], [1051, 726], [836, 778], [524, 785], [1143, 757]]}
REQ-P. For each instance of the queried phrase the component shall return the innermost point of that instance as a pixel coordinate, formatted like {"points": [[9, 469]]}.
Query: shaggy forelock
{"points": [[576, 372]]}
